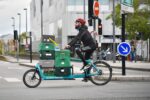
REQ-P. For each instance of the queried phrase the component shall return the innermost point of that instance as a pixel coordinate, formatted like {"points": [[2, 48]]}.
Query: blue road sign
{"points": [[124, 48]]}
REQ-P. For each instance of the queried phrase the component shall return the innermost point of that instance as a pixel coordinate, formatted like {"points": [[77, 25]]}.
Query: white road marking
{"points": [[15, 68], [12, 80], [0, 77]]}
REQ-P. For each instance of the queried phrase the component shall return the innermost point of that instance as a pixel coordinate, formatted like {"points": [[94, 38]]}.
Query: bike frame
{"points": [[72, 76]]}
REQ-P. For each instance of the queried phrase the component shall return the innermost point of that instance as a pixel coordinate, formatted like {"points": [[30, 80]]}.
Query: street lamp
{"points": [[41, 18], [13, 22], [19, 23], [13, 25], [18, 35], [25, 9]]}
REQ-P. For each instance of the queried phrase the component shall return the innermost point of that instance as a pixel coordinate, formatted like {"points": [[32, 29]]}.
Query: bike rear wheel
{"points": [[31, 78], [105, 73]]}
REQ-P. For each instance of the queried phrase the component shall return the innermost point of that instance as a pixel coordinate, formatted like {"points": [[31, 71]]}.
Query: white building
{"points": [[59, 17]]}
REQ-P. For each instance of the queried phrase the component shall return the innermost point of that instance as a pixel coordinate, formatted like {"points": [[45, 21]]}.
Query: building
{"points": [[59, 16]]}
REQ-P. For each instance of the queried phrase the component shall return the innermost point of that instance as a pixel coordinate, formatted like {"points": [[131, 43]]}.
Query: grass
{"points": [[3, 58]]}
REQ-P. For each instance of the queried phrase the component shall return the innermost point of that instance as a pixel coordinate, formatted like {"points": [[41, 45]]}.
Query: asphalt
{"points": [[135, 67]]}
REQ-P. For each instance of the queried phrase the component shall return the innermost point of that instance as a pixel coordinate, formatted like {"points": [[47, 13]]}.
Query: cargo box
{"points": [[46, 46], [47, 55], [62, 58], [45, 38], [60, 71], [46, 63]]}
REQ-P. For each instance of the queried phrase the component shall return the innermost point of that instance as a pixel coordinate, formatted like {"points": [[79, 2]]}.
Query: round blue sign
{"points": [[124, 48]]}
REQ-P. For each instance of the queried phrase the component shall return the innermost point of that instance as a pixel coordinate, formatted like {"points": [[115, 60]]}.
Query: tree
{"points": [[136, 22], [1, 46]]}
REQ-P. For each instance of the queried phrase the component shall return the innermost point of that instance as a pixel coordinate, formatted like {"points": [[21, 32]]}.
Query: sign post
{"points": [[124, 49], [126, 7], [95, 22]]}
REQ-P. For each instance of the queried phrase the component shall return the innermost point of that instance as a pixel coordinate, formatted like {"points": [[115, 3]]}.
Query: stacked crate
{"points": [[47, 55], [62, 63], [55, 62]]}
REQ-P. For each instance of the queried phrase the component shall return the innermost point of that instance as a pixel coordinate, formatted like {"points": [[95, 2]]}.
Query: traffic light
{"points": [[15, 35], [90, 11], [100, 27]]}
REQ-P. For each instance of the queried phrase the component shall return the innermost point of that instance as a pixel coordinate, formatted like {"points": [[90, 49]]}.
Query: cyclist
{"points": [[85, 37]]}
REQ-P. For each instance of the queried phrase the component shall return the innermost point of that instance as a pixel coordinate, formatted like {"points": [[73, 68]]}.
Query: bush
{"points": [[3, 58]]}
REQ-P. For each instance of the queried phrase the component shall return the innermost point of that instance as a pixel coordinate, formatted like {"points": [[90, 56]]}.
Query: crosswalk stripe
{"points": [[12, 80]]}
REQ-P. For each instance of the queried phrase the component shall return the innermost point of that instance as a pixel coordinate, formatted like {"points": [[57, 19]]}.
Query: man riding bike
{"points": [[85, 37]]}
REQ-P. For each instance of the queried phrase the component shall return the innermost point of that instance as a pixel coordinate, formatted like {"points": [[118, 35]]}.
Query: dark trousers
{"points": [[88, 51]]}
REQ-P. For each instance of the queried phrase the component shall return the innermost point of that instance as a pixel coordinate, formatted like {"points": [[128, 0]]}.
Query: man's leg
{"points": [[78, 51], [88, 52]]}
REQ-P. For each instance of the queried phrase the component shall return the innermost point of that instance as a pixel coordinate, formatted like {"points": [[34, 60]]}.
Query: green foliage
{"points": [[22, 36], [3, 58], [1, 46], [135, 22]]}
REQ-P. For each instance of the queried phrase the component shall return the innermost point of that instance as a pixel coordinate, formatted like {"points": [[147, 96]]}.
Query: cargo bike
{"points": [[55, 64]]}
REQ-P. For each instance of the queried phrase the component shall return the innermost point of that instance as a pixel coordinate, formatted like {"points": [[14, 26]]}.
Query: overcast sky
{"points": [[10, 8]]}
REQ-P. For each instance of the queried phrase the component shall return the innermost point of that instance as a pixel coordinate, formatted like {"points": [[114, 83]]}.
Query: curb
{"points": [[26, 65], [130, 68], [131, 78]]}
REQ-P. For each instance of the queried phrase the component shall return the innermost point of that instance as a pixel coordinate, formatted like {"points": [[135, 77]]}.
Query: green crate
{"points": [[62, 58], [46, 46], [47, 55], [49, 71], [60, 71]]}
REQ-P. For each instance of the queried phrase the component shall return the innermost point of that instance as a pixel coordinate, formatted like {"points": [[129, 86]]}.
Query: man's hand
{"points": [[67, 46]]}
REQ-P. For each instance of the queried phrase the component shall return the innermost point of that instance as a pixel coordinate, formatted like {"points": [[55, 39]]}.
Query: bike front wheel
{"points": [[31, 78], [103, 73]]}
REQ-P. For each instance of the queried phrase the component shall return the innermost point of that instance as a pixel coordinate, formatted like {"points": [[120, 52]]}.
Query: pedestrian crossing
{"points": [[10, 79]]}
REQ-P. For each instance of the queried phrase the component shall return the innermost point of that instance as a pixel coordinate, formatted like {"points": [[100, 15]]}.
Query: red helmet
{"points": [[82, 21]]}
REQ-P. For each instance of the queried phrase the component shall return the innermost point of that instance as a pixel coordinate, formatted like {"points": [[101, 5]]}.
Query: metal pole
{"points": [[114, 47], [41, 18], [94, 29], [26, 25], [123, 40], [84, 10], [148, 49], [13, 22], [15, 41], [30, 47], [18, 45]]}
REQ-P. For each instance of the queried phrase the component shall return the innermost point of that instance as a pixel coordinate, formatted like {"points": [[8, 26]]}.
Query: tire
{"points": [[105, 75], [31, 78]]}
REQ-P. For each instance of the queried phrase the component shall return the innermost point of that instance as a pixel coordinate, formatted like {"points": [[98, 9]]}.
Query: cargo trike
{"points": [[99, 73], [58, 67]]}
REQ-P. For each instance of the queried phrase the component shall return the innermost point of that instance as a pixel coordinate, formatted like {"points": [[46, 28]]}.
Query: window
{"points": [[50, 2], [75, 2], [104, 2]]}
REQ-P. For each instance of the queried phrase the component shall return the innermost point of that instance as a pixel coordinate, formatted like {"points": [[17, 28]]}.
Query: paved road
{"points": [[12, 88]]}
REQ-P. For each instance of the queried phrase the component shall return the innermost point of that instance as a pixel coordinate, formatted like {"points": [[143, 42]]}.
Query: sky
{"points": [[10, 8]]}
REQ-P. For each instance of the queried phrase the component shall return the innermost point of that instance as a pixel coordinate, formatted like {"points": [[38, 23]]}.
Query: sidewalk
{"points": [[117, 75]]}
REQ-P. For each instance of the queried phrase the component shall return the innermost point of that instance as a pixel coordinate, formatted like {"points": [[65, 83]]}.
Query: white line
{"points": [[14, 68], [0, 77], [12, 80]]}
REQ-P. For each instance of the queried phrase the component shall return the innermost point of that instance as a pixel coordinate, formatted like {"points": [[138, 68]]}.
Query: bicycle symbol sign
{"points": [[124, 48]]}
